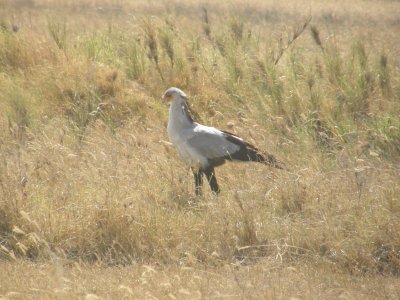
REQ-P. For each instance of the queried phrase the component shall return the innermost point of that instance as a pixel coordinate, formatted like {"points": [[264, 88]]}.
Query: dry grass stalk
{"points": [[168, 45], [206, 24], [151, 43], [316, 36], [296, 33], [58, 32]]}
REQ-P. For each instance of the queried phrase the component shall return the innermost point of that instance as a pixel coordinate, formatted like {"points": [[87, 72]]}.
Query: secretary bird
{"points": [[203, 148]]}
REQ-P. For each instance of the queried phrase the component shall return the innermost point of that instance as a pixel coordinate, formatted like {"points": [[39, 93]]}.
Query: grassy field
{"points": [[95, 203]]}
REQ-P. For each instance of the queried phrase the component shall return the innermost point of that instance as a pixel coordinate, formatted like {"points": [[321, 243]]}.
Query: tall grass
{"points": [[86, 173]]}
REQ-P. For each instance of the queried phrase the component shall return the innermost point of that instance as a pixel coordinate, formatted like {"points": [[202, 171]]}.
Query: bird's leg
{"points": [[198, 181], [212, 180]]}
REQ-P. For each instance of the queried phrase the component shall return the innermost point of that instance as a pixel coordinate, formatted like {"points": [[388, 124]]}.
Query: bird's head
{"points": [[173, 94]]}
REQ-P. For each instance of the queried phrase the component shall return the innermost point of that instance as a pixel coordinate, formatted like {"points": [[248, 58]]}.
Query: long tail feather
{"points": [[269, 159], [248, 152]]}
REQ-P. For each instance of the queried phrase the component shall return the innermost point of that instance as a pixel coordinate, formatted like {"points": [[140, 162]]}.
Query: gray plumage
{"points": [[203, 147]]}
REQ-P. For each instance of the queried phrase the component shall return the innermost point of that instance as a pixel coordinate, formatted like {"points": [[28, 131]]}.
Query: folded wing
{"points": [[218, 146], [211, 143]]}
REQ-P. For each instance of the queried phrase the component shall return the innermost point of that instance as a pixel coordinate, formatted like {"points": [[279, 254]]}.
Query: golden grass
{"points": [[265, 280], [94, 201]]}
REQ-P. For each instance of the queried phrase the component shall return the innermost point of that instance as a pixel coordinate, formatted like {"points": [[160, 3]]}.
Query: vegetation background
{"points": [[94, 202]]}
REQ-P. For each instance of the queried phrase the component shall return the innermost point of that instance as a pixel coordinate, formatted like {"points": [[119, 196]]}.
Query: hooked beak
{"points": [[165, 99]]}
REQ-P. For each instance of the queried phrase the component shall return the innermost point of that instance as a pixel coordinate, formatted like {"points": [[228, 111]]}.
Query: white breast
{"points": [[188, 154], [180, 130]]}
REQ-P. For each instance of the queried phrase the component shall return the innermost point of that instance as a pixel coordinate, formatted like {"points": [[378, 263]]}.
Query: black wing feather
{"points": [[248, 152]]}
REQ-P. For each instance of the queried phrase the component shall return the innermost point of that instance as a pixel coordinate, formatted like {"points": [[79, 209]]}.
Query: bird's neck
{"points": [[179, 115]]}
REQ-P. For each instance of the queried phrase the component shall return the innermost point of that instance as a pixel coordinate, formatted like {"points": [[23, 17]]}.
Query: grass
{"points": [[95, 203]]}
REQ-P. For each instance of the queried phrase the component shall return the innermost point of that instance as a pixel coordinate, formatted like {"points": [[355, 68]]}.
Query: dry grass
{"points": [[265, 280], [94, 201]]}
